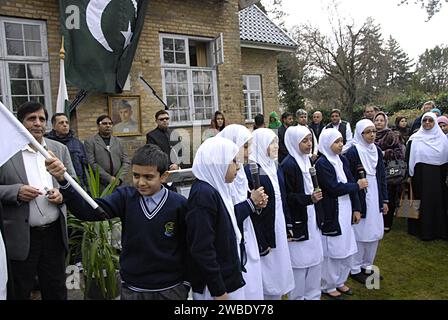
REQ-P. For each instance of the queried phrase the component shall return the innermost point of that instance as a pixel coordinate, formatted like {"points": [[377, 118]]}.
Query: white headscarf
{"points": [[326, 139], [210, 165], [428, 146], [262, 138], [293, 136], [367, 151], [239, 135]]}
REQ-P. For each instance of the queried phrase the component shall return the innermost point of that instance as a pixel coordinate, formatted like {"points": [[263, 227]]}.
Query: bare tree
{"points": [[336, 57]]}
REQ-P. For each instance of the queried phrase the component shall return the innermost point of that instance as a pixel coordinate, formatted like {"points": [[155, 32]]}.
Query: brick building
{"points": [[198, 55]]}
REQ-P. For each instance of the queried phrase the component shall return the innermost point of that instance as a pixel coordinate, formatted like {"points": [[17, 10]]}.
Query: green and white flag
{"points": [[101, 37]]}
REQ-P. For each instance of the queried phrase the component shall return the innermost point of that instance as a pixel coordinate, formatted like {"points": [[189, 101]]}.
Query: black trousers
{"points": [[46, 259], [394, 192]]}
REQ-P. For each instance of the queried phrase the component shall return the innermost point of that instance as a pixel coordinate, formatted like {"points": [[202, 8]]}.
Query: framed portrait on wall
{"points": [[125, 112]]}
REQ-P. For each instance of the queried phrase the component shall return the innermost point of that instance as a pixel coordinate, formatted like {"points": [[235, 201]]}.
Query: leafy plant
{"points": [[100, 258]]}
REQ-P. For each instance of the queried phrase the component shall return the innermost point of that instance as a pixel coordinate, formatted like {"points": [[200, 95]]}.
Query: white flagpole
{"points": [[45, 153], [62, 92]]}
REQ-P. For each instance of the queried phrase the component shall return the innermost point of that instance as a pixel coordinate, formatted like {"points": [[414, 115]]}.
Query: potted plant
{"points": [[100, 258]]}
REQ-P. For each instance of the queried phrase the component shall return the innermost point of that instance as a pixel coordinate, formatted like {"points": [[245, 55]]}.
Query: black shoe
{"points": [[348, 292], [369, 273], [359, 277], [329, 296]]}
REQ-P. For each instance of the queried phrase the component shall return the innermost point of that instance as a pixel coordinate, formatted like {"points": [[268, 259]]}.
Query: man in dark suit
{"points": [[160, 136], [287, 120], [35, 218]]}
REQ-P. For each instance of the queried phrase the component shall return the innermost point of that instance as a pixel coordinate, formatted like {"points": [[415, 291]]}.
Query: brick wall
{"points": [[263, 63]]}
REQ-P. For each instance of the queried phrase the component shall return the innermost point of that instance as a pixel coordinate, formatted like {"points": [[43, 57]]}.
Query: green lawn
{"points": [[412, 269]]}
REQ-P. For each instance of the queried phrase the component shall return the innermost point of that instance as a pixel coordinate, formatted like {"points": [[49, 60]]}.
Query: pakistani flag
{"points": [[101, 37]]}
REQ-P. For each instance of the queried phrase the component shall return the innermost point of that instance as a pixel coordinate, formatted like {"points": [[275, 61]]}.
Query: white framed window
{"points": [[189, 78], [24, 68], [253, 99]]}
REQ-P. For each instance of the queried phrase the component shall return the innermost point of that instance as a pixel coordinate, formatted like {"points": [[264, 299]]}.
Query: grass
{"points": [[412, 269]]}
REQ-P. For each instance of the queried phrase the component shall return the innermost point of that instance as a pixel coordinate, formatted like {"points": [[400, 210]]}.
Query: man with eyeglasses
{"points": [[35, 217], [160, 136], [107, 153]]}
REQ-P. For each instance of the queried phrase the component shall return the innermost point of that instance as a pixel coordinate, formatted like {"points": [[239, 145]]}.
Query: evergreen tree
{"points": [[432, 69], [399, 64]]}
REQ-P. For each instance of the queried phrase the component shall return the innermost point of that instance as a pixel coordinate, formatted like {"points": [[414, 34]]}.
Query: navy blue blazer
{"points": [[212, 242], [264, 223], [298, 200], [355, 161], [331, 190]]}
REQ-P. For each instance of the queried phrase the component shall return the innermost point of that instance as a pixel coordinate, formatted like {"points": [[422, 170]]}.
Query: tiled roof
{"points": [[257, 28]]}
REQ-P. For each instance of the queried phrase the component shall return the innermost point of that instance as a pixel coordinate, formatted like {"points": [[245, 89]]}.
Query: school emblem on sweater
{"points": [[169, 229]]}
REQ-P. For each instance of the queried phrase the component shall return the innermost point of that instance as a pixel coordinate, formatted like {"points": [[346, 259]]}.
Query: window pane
{"points": [[198, 103], [17, 101], [168, 57], [31, 32], [33, 48], [171, 101], [254, 83], [183, 102], [17, 71], [18, 87], [181, 76], [36, 86], [169, 76], [35, 71], [208, 102], [182, 89], [179, 45], [170, 89], [181, 58], [199, 114], [40, 99], [207, 89], [208, 114], [184, 115], [13, 31], [168, 44], [197, 89], [14, 47], [207, 77]]}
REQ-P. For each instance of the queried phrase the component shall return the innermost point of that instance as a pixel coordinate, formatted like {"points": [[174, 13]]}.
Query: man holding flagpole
{"points": [[34, 216]]}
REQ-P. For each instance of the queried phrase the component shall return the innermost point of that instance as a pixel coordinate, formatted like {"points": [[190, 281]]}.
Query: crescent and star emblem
{"points": [[94, 13]]}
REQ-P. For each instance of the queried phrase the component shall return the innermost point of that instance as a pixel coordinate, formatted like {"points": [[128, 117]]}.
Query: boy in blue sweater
{"points": [[153, 257]]}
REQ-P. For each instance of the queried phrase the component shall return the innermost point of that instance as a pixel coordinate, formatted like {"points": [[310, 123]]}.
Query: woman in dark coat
{"points": [[427, 155], [401, 126], [393, 149]]}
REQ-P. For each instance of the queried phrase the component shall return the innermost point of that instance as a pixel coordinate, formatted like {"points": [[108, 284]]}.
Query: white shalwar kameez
{"points": [[253, 289], [276, 266], [370, 230], [337, 250], [306, 256]]}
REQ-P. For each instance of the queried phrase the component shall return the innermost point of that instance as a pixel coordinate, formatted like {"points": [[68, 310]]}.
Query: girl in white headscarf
{"points": [[213, 235], [305, 246], [427, 155], [270, 226], [366, 160], [341, 206], [253, 289]]}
